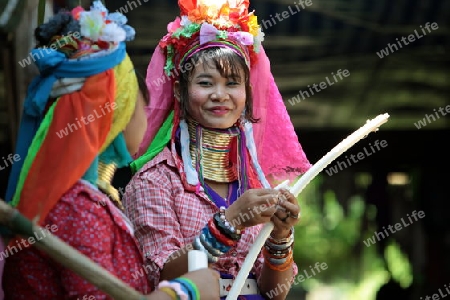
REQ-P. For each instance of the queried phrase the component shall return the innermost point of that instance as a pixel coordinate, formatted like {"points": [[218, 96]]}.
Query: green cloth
{"points": [[162, 138], [35, 146]]}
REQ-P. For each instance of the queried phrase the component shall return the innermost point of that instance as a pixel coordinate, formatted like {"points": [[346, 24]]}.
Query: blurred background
{"points": [[393, 57]]}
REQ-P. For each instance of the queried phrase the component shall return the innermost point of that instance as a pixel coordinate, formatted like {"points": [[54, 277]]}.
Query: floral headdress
{"points": [[79, 32], [223, 23], [205, 21]]}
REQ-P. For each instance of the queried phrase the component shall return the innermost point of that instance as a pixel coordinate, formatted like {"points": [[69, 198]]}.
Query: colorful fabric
{"points": [[51, 65], [162, 138], [111, 108], [88, 221], [167, 217]]}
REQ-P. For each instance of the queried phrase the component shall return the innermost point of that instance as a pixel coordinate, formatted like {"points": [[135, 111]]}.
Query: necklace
{"points": [[105, 176], [210, 151]]}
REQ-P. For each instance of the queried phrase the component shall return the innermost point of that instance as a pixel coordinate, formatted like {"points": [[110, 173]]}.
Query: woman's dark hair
{"points": [[228, 63], [61, 24], [143, 87]]}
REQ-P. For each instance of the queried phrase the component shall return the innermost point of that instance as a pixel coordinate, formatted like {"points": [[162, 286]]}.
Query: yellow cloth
{"points": [[125, 99]]}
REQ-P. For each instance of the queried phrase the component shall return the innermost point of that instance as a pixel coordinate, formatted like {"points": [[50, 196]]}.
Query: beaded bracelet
{"points": [[228, 224], [225, 227], [180, 290]]}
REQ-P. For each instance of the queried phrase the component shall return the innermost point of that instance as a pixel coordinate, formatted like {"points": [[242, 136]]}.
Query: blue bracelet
{"points": [[214, 242], [192, 291]]}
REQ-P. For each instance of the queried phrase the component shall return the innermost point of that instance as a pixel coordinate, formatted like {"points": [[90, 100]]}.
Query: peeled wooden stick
{"points": [[344, 145], [68, 256]]}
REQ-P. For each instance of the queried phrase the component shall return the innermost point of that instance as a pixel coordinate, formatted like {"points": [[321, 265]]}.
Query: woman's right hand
{"points": [[255, 206]]}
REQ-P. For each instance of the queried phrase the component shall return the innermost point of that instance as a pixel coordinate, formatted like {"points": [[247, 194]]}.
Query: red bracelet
{"points": [[219, 236]]}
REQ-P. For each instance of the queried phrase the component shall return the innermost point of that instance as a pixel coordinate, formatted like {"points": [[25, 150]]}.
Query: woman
{"points": [[198, 182], [72, 146]]}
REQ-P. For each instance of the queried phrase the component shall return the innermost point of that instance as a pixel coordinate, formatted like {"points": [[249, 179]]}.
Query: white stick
{"points": [[344, 145], [371, 125]]}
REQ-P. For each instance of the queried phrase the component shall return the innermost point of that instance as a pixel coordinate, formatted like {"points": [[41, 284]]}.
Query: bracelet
{"points": [[175, 286], [284, 240], [214, 241], [223, 239], [276, 260], [214, 251], [287, 262], [277, 252], [227, 223], [281, 268], [190, 286], [226, 230], [170, 292], [268, 255], [278, 247], [198, 246]]}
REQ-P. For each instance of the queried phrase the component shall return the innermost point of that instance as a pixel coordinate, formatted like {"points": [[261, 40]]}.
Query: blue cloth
{"points": [[52, 65], [116, 152]]}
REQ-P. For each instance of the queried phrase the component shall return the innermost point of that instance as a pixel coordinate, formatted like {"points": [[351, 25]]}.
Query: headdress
{"points": [[63, 140], [272, 141]]}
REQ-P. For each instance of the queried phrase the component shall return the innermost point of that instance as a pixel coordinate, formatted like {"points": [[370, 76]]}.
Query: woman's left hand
{"points": [[287, 216]]}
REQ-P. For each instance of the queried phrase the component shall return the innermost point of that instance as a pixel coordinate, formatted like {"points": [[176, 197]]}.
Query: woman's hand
{"points": [[255, 206], [286, 216], [207, 281]]}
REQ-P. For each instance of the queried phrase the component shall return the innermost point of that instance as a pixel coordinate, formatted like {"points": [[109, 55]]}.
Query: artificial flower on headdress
{"points": [[211, 21], [98, 24]]}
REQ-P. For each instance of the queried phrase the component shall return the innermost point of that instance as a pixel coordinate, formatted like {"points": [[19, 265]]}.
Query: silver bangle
{"points": [[209, 247], [198, 246], [278, 261]]}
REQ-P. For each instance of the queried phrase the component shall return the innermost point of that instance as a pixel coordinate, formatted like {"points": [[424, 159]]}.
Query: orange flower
{"points": [[224, 10], [198, 14], [187, 6]]}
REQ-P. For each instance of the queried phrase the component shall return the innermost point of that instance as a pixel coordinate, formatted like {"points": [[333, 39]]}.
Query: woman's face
{"points": [[135, 130], [214, 101]]}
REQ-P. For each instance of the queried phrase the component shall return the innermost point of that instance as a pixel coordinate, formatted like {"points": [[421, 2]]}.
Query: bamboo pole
{"points": [[67, 256]]}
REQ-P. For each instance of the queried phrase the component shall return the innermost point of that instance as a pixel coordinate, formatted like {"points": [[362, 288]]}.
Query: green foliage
{"points": [[332, 234]]}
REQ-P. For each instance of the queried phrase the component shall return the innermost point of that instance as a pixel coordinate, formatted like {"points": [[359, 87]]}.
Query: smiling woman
{"points": [[198, 170]]}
